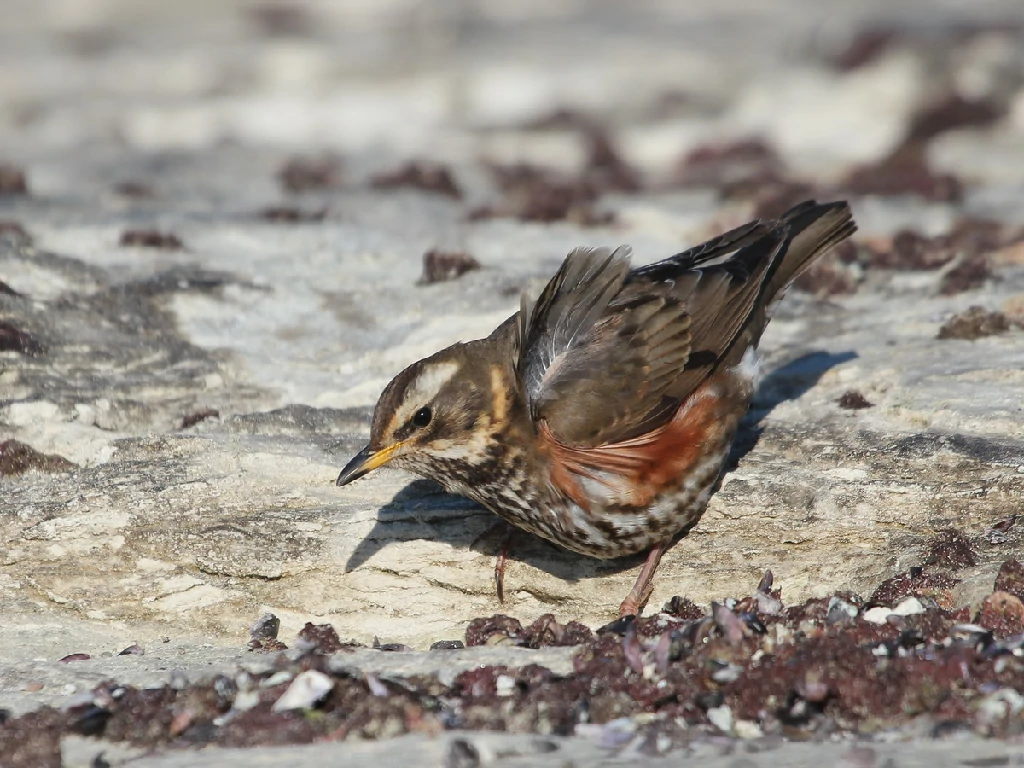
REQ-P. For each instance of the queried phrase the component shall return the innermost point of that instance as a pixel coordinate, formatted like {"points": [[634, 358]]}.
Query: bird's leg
{"points": [[507, 532], [499, 564], [641, 591]]}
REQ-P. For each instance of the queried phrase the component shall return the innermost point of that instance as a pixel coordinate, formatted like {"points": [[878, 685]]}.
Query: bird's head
{"points": [[438, 416]]}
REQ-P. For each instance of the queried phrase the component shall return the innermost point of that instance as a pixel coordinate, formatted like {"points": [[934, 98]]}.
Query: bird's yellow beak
{"points": [[365, 462]]}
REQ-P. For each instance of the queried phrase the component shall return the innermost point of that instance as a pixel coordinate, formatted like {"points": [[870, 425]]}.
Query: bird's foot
{"points": [[641, 591], [503, 533]]}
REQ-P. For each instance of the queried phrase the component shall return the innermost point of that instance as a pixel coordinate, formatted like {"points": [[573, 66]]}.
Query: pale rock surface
{"points": [[291, 331]]}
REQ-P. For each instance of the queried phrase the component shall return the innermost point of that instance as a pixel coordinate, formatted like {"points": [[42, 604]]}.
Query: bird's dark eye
{"points": [[422, 417]]}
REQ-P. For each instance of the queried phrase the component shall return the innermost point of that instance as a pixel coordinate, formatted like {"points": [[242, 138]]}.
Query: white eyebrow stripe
{"points": [[423, 390]]}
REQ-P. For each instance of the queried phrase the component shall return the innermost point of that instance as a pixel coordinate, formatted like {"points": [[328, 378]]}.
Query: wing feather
{"points": [[607, 355]]}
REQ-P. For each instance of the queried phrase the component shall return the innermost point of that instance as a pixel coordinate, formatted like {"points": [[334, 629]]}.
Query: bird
{"points": [[600, 416]]}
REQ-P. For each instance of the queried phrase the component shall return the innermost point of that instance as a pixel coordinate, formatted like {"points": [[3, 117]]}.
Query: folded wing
{"points": [[607, 355]]}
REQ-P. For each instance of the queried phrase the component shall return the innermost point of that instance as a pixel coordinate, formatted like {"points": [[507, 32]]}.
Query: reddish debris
{"points": [[32, 741], [1010, 579], [323, 638], [191, 419], [866, 46], [285, 214], [918, 583], [442, 266], [15, 340], [12, 180], [910, 250], [970, 240], [16, 458], [966, 248], [964, 277], [605, 166], [950, 550], [746, 170], [1003, 613], [952, 112], [733, 166], [498, 629], [430, 177], [682, 608], [904, 172], [75, 657], [306, 174], [852, 400], [546, 632], [974, 323], [137, 190], [282, 19], [538, 194], [812, 671], [266, 645], [150, 238], [774, 195]]}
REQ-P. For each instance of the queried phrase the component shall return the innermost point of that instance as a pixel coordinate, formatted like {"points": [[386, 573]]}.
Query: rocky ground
{"points": [[224, 227]]}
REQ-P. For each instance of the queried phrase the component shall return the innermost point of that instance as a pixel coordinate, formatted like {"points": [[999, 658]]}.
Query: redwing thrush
{"points": [[600, 417]]}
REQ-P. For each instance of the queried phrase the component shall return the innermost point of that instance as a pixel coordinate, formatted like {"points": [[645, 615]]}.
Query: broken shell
{"points": [[304, 692]]}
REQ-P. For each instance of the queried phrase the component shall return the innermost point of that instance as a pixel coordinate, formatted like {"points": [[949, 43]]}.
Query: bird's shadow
{"points": [[423, 510], [787, 382]]}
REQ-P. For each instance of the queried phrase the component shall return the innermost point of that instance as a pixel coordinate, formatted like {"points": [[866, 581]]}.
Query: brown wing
{"points": [[593, 353], [606, 357], [731, 316]]}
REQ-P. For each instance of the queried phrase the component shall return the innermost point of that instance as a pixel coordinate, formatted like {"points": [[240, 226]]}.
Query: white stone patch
{"points": [[908, 607], [747, 730], [304, 692], [877, 615], [880, 614], [36, 281], [505, 685], [722, 718], [31, 414], [1000, 705]]}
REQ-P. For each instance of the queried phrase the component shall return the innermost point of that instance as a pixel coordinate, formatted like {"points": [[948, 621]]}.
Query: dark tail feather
{"points": [[813, 230], [808, 230]]}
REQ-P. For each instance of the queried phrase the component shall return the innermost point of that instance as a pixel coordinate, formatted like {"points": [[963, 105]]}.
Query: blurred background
{"points": [[791, 89]]}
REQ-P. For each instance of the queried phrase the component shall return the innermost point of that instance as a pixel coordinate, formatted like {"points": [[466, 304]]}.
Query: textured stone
{"points": [[208, 395]]}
